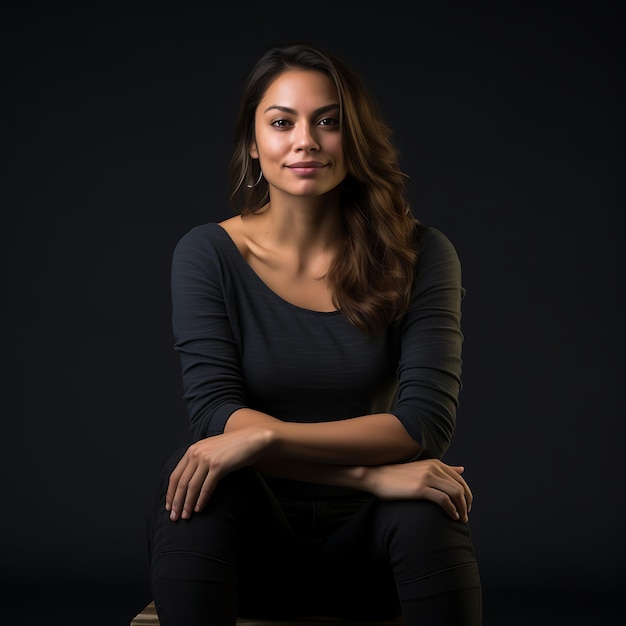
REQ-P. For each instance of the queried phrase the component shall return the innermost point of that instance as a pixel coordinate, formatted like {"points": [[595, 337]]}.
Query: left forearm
{"points": [[367, 440]]}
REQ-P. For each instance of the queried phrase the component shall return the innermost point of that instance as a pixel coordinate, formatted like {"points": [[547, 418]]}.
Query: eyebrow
{"points": [[324, 109]]}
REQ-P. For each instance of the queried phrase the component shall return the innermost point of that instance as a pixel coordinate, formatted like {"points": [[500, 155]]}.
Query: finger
{"points": [[173, 482], [467, 492], [455, 493], [208, 487], [469, 496], [443, 500], [180, 495], [191, 494], [456, 475]]}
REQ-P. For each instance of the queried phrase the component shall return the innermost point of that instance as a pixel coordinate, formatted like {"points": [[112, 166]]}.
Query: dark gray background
{"points": [[116, 135]]}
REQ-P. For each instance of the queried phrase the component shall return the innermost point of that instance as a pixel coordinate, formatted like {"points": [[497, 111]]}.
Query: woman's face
{"points": [[297, 134]]}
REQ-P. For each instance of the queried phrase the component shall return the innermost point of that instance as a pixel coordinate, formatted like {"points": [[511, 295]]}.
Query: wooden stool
{"points": [[148, 617]]}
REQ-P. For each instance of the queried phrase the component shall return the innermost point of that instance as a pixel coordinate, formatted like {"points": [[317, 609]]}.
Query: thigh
{"points": [[243, 528], [433, 561], [420, 538], [240, 520], [390, 548]]}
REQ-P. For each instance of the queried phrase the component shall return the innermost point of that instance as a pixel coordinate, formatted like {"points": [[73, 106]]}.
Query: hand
{"points": [[429, 479], [194, 478]]}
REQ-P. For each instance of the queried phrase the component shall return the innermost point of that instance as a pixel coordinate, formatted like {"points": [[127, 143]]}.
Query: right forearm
{"points": [[430, 479], [353, 477]]}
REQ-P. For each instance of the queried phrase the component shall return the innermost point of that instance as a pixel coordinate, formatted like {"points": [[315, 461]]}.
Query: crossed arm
{"points": [[364, 453]]}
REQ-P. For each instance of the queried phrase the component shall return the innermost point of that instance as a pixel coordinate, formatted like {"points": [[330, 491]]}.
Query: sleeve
{"points": [[429, 369], [204, 339]]}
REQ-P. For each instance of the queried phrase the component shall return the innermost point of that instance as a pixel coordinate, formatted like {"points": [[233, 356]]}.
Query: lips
{"points": [[306, 164], [306, 167]]}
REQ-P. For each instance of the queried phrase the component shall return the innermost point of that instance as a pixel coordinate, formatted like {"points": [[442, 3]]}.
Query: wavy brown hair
{"points": [[371, 275]]}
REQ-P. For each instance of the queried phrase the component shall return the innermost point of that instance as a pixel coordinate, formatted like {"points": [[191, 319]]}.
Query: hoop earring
{"points": [[257, 182]]}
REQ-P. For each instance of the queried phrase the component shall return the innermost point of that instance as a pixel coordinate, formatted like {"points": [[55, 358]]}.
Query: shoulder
{"points": [[438, 261], [205, 239], [433, 245], [223, 238], [237, 232], [201, 234], [204, 249]]}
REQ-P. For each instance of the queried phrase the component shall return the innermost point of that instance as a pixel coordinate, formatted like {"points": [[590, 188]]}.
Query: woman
{"points": [[320, 343]]}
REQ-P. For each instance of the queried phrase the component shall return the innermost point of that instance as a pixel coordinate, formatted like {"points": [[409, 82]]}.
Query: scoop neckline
{"points": [[240, 259]]}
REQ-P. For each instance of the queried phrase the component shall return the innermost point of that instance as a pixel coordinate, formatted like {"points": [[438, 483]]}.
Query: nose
{"points": [[305, 138]]}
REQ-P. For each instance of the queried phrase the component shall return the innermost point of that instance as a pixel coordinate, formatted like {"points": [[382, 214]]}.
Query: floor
{"points": [[117, 606]]}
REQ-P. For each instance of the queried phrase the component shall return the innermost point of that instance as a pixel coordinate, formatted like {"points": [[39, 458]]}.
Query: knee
{"points": [[423, 531], [413, 517], [215, 531]]}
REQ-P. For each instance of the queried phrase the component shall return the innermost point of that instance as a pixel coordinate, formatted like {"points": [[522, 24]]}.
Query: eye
{"points": [[328, 121], [281, 123]]}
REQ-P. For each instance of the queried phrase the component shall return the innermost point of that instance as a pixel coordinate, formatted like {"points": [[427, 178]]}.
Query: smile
{"points": [[306, 168]]}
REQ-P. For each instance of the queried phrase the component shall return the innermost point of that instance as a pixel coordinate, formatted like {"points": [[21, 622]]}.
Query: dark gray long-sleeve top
{"points": [[242, 345]]}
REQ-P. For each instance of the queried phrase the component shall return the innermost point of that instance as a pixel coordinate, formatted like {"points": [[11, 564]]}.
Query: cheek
{"points": [[269, 143], [333, 145], [273, 145]]}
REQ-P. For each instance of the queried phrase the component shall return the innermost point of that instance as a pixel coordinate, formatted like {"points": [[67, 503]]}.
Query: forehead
{"points": [[300, 89]]}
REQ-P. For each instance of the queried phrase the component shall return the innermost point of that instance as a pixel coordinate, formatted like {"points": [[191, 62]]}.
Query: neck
{"points": [[303, 223]]}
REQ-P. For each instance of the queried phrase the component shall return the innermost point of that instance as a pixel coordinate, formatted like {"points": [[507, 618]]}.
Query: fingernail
{"points": [[173, 516]]}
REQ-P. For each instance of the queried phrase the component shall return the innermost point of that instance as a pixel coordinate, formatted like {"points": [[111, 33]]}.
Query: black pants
{"points": [[246, 555]]}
